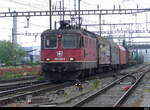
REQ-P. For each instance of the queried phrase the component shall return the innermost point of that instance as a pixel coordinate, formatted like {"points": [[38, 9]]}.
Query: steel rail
{"points": [[7, 100], [18, 84], [8, 92], [78, 104], [85, 100], [17, 79], [129, 91], [10, 99]]}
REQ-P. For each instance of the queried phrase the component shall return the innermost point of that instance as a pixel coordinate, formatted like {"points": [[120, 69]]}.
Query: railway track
{"points": [[19, 82], [86, 96], [10, 96], [9, 86], [68, 102], [116, 101], [18, 79], [20, 93]]}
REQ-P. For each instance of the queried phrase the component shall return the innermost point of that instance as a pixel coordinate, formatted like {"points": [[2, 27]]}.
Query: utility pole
{"points": [[146, 22], [50, 17], [79, 13], [75, 5], [63, 6], [14, 30], [60, 9], [100, 25], [14, 35]]}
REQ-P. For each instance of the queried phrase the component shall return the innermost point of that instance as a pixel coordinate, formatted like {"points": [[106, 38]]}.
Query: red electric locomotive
{"points": [[67, 52]]}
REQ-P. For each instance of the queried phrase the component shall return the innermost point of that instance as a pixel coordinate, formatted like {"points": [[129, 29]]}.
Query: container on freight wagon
{"points": [[114, 53], [123, 55]]}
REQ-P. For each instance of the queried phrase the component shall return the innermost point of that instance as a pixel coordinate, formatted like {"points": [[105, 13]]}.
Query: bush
{"points": [[10, 54]]}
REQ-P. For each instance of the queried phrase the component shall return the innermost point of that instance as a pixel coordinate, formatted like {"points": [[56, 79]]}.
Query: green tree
{"points": [[10, 53]]}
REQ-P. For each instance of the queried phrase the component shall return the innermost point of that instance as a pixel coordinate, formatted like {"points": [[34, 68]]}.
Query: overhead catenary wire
{"points": [[37, 25], [27, 4], [88, 3], [45, 1]]}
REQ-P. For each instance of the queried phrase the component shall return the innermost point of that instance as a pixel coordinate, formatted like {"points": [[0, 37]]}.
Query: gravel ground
{"points": [[61, 98], [141, 96], [112, 95], [69, 93]]}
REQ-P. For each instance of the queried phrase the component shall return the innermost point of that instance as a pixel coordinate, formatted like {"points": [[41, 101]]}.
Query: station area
{"points": [[75, 53]]}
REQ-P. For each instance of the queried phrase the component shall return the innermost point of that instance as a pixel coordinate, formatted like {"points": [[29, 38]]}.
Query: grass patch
{"points": [[10, 75], [96, 84], [148, 90], [40, 78]]}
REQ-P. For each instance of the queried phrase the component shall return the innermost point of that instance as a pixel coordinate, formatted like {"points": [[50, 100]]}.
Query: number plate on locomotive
{"points": [[60, 59]]}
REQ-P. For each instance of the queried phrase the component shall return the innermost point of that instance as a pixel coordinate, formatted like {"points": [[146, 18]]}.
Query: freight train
{"points": [[68, 53]]}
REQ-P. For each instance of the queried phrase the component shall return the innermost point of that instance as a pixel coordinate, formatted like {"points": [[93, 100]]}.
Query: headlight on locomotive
{"points": [[72, 59], [48, 59]]}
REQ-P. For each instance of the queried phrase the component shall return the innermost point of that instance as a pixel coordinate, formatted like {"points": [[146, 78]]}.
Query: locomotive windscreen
{"points": [[71, 41], [51, 41], [68, 41]]}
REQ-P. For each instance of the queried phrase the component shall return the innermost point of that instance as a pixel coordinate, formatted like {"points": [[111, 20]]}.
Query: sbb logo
{"points": [[59, 53]]}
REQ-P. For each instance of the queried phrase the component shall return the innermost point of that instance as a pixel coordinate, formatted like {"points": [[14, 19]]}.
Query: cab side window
{"points": [[82, 42], [86, 42]]}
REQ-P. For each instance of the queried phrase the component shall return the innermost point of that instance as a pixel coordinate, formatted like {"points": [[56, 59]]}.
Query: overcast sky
{"points": [[38, 24]]}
